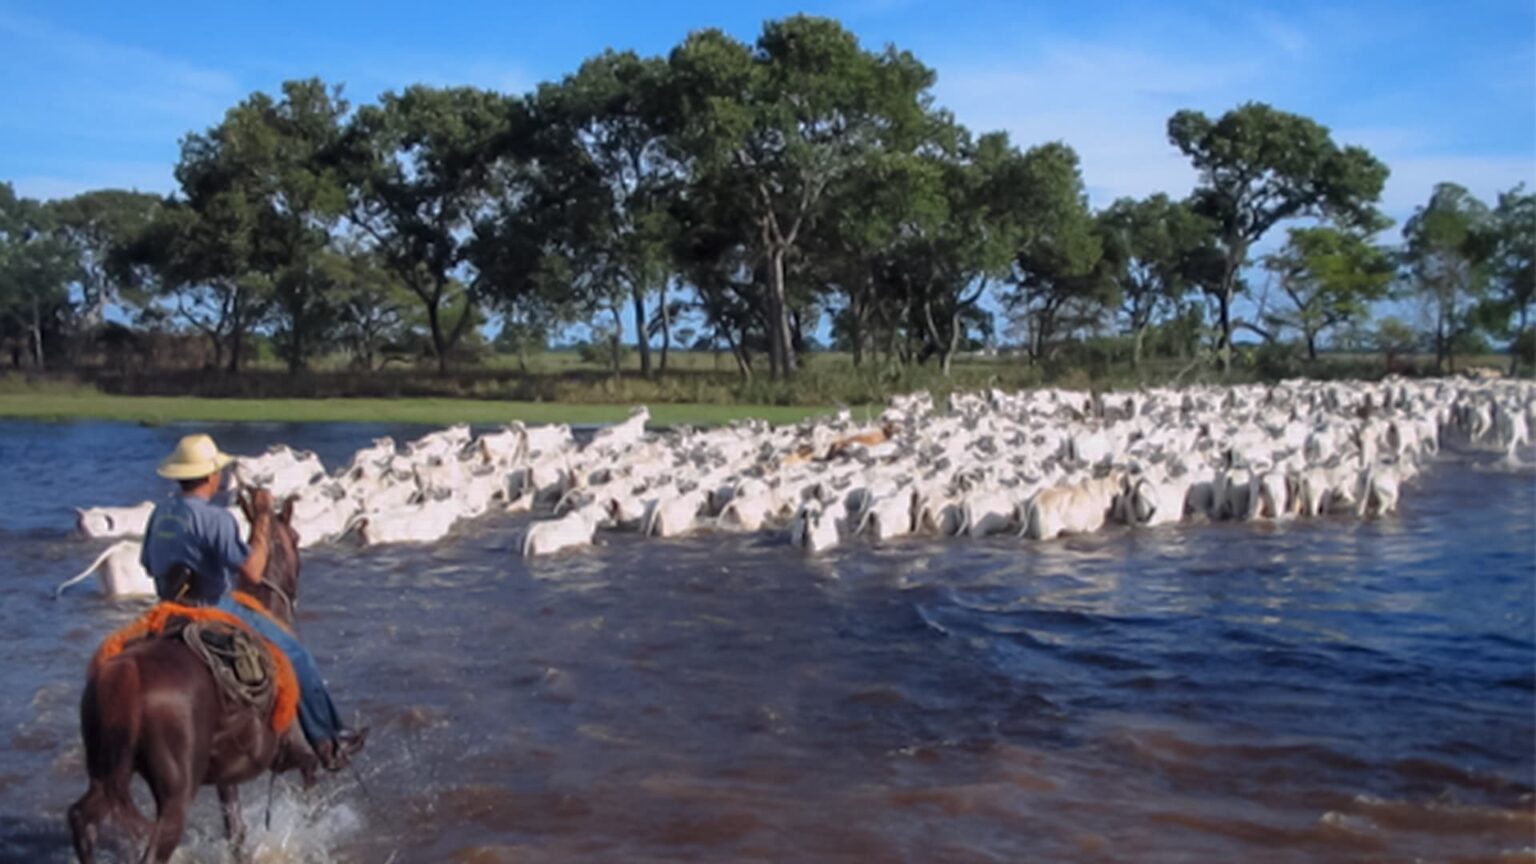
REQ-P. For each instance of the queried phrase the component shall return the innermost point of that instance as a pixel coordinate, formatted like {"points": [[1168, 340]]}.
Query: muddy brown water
{"points": [[1321, 691]]}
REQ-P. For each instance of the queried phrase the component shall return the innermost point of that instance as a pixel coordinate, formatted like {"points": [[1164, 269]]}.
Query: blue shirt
{"points": [[206, 538]]}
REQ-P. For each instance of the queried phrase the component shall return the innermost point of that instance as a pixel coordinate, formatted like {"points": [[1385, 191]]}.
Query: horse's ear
{"points": [[287, 513]]}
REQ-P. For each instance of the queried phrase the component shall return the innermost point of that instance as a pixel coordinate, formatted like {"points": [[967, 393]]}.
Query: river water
{"points": [[1327, 690]]}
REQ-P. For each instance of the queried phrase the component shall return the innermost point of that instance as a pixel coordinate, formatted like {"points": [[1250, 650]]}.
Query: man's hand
{"points": [[261, 501]]}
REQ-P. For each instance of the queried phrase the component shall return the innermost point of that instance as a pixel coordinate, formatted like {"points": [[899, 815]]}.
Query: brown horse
{"points": [[155, 709]]}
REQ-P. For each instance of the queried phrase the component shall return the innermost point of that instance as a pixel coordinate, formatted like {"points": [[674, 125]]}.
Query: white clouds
{"points": [[1110, 97], [1110, 102], [84, 84]]}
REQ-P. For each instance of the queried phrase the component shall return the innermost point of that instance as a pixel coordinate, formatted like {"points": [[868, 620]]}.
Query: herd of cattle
{"points": [[1038, 464]]}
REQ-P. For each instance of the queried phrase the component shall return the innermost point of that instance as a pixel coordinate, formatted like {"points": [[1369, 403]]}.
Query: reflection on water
{"points": [[1319, 691]]}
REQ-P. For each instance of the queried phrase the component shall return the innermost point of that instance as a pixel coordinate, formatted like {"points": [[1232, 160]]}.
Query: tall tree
{"points": [[1258, 167], [1149, 245], [1512, 269], [97, 224], [1330, 277], [36, 266], [773, 126], [194, 256], [1450, 242], [422, 171], [282, 154], [370, 304], [1061, 277], [614, 108], [880, 217]]}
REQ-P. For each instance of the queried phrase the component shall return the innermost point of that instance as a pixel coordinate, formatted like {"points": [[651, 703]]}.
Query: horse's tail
{"points": [[110, 720]]}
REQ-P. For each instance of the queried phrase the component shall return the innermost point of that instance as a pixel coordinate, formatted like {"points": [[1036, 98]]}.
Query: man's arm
{"points": [[255, 563]]}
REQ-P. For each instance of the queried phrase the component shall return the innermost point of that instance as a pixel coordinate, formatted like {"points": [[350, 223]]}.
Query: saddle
{"points": [[246, 667], [239, 662]]}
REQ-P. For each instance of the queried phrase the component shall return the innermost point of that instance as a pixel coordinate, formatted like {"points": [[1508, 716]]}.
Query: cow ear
{"points": [[286, 516]]}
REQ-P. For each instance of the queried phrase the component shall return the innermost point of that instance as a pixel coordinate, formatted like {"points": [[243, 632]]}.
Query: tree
{"points": [[36, 267], [614, 108], [987, 198], [1062, 279], [194, 256], [422, 168], [1330, 277], [1450, 242], [282, 155], [771, 128], [1149, 245], [370, 305], [871, 247], [1394, 337], [1512, 269], [97, 224], [1258, 167]]}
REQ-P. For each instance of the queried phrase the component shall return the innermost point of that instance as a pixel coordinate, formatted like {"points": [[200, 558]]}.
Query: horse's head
{"points": [[279, 589]]}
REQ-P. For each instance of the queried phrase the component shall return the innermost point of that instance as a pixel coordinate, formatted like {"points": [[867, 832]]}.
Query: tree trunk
{"points": [[37, 336], [616, 344], [778, 318], [666, 329], [1514, 354], [1225, 348], [856, 331], [948, 357], [434, 322], [1311, 347], [642, 339], [742, 364], [1138, 335]]}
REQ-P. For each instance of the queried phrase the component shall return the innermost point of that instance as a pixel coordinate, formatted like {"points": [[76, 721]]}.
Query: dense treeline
{"points": [[746, 198]]}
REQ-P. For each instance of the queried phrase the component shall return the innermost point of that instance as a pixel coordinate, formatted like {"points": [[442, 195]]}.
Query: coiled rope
{"points": [[237, 661]]}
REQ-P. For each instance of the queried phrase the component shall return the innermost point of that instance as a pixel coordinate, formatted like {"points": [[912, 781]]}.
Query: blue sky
{"points": [[98, 94]]}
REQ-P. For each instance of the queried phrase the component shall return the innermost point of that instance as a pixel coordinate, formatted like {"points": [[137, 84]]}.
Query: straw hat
{"points": [[195, 456]]}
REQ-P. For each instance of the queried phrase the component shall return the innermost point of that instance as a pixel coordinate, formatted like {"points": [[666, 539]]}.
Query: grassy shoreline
{"points": [[438, 412]]}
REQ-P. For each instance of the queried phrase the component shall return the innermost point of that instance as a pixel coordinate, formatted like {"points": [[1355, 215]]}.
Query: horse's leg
{"points": [[170, 822], [84, 816], [234, 825], [173, 783]]}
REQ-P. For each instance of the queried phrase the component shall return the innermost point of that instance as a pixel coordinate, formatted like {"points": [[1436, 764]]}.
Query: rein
{"points": [[292, 604]]}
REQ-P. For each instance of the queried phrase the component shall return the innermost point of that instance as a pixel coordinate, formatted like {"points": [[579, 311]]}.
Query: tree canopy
{"points": [[755, 196]]}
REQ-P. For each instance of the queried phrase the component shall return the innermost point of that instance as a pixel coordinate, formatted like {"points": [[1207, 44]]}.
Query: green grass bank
{"points": [[438, 412]]}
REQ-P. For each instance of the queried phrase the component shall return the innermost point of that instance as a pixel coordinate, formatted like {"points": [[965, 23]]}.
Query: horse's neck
{"points": [[278, 598]]}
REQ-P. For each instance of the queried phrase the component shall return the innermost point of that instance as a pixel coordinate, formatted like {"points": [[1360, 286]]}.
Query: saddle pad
{"points": [[160, 618]]}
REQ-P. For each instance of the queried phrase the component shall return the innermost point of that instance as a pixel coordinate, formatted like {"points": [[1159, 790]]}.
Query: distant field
{"points": [[170, 409], [561, 387]]}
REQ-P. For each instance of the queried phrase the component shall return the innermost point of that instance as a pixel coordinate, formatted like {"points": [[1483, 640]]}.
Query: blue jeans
{"points": [[317, 714]]}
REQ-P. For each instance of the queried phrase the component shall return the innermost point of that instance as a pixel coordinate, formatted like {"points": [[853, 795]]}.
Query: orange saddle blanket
{"points": [[155, 622]]}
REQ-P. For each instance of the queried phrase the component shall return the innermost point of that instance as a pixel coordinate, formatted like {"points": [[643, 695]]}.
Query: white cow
{"points": [[101, 522], [419, 523], [888, 516], [1378, 491], [440, 444], [990, 511], [750, 512], [673, 516], [575, 529], [817, 527], [1080, 508], [119, 570]]}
